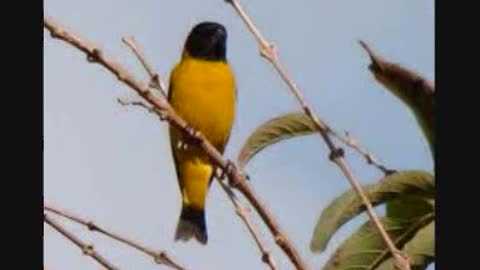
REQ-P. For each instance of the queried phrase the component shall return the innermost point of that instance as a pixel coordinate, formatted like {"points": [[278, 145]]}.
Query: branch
{"points": [[268, 51], [86, 249], [237, 178], [160, 257]]}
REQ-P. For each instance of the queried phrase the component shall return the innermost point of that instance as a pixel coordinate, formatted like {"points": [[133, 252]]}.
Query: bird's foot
{"points": [[229, 169], [193, 136]]}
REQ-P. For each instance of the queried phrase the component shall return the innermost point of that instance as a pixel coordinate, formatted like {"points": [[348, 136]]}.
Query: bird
{"points": [[203, 92]]}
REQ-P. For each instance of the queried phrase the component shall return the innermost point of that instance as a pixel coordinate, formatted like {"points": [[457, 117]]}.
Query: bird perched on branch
{"points": [[202, 91]]}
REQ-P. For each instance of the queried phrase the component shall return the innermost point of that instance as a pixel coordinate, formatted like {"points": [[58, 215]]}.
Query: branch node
{"points": [[146, 93], [88, 250], [336, 154], [160, 257], [279, 240], [154, 81], [94, 55], [54, 34], [265, 256], [91, 226], [268, 50]]}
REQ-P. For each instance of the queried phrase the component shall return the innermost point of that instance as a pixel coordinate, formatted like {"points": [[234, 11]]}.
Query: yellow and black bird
{"points": [[202, 91]]}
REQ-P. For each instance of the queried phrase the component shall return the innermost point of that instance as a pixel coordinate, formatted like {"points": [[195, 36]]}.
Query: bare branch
{"points": [[237, 178], [160, 257], [88, 250], [269, 52]]}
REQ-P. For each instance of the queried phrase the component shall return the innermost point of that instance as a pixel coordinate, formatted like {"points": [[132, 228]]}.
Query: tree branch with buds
{"points": [[160, 257], [87, 250]]}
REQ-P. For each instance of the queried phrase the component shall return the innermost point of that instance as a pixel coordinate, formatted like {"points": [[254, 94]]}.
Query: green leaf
{"points": [[408, 206], [275, 130], [348, 205], [366, 250], [415, 92], [420, 249]]}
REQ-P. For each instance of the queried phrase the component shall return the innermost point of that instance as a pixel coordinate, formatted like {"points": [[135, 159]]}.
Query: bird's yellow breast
{"points": [[203, 94]]}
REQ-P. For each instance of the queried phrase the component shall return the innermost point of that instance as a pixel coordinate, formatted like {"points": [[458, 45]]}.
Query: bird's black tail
{"points": [[192, 224]]}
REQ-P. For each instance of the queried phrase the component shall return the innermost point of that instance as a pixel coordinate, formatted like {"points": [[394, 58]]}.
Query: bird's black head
{"points": [[207, 41]]}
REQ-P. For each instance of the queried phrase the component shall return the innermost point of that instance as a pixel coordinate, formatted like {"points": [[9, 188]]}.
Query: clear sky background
{"points": [[113, 164]]}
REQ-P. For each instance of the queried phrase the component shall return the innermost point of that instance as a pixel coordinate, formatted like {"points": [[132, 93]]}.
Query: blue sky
{"points": [[113, 164]]}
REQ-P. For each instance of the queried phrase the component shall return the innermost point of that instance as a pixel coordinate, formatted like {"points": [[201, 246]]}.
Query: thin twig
{"points": [[160, 257], [237, 178], [242, 212], [88, 250], [268, 51], [240, 209], [353, 143], [155, 81], [141, 104]]}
